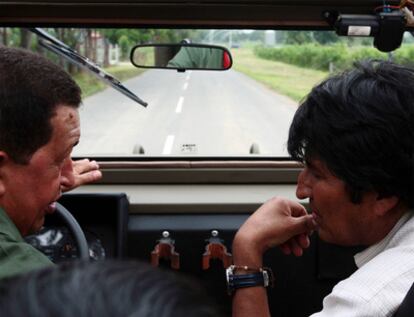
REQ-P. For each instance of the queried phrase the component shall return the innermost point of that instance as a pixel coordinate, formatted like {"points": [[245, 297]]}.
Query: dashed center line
{"points": [[179, 105], [169, 142], [185, 86]]}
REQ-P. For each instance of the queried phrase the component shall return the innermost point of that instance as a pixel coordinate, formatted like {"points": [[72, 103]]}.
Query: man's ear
{"points": [[385, 204], [4, 158]]}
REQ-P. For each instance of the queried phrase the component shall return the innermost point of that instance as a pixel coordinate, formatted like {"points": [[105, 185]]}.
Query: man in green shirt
{"points": [[197, 57], [39, 126], [17, 256]]}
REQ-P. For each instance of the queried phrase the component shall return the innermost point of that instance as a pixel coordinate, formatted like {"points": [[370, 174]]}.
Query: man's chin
{"points": [[326, 237], [36, 226], [335, 239]]}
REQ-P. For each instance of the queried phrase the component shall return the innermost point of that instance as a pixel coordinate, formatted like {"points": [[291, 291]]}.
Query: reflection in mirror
{"points": [[181, 56]]}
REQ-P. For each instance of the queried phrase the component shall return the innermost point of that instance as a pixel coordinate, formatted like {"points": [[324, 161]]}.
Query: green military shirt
{"points": [[17, 256], [198, 57]]}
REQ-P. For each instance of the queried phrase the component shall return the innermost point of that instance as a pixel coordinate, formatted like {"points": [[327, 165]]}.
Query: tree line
{"points": [[335, 57]]}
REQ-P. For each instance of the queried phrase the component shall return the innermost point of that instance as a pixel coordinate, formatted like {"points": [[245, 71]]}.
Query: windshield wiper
{"points": [[53, 44]]}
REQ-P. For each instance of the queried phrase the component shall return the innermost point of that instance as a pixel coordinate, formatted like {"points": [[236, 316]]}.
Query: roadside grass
{"points": [[292, 81], [91, 85]]}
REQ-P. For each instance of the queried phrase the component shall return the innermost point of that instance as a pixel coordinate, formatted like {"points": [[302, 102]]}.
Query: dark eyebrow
{"points": [[308, 163], [69, 148], [313, 166]]}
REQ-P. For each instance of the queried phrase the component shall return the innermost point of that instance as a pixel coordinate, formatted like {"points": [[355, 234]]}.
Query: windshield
{"points": [[242, 112]]}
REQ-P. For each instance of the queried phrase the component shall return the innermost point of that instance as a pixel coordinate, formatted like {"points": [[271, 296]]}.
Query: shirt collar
{"points": [[8, 228], [368, 254]]}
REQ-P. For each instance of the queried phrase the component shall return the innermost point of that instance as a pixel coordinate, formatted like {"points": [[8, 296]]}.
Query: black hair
{"points": [[361, 125], [31, 87], [103, 289]]}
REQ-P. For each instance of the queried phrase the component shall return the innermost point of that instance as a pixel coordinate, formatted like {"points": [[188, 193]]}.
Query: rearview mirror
{"points": [[181, 57]]}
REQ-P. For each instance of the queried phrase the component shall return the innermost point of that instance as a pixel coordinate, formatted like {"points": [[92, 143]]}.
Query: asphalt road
{"points": [[193, 113]]}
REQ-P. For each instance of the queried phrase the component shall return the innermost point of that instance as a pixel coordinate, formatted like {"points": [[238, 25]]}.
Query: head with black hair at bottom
{"points": [[103, 289]]}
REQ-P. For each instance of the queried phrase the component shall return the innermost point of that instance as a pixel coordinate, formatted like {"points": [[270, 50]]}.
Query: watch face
{"points": [[265, 279], [228, 272], [229, 280]]}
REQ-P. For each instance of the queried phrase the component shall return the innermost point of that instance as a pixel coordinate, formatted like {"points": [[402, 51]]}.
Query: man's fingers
{"points": [[81, 179], [83, 166], [84, 171], [285, 248], [295, 247], [89, 177], [297, 210], [273, 224], [303, 240], [304, 224]]}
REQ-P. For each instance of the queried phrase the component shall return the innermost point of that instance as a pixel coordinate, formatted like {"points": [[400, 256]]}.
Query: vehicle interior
{"points": [[188, 153]]}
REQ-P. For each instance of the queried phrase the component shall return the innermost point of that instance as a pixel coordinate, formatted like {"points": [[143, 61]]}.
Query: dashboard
{"points": [[184, 241], [58, 244], [103, 219]]}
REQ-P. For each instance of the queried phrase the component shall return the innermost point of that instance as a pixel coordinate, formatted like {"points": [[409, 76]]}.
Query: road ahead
{"points": [[193, 113]]}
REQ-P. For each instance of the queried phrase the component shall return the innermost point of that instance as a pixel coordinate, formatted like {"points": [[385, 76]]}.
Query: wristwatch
{"points": [[257, 277]]}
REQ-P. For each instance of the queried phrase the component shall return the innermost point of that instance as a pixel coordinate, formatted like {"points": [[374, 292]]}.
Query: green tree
{"points": [[298, 37], [325, 37]]}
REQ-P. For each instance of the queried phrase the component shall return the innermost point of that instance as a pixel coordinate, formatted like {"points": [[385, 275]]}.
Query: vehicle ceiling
{"points": [[188, 13]]}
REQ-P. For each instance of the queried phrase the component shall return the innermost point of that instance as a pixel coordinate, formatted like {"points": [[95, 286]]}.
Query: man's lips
{"points": [[50, 209], [316, 216]]}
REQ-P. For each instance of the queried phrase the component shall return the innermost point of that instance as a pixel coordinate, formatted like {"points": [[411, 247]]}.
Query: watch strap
{"points": [[263, 278]]}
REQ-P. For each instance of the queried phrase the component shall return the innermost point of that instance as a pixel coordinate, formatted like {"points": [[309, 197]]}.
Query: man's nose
{"points": [[67, 178], [304, 188]]}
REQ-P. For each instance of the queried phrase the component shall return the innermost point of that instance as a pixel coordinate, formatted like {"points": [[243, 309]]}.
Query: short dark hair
{"points": [[31, 87], [103, 289], [361, 125]]}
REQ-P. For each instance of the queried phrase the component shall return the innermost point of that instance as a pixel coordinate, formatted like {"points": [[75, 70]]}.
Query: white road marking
{"points": [[179, 105], [188, 75], [169, 142], [185, 86]]}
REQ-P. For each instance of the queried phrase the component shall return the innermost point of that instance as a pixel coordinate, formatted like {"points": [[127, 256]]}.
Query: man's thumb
{"points": [[303, 224]]}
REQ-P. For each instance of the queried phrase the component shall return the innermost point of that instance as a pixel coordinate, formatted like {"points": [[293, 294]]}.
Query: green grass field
{"points": [[292, 81]]}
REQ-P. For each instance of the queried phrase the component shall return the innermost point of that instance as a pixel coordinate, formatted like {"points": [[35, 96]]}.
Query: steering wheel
{"points": [[75, 229], [61, 242]]}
